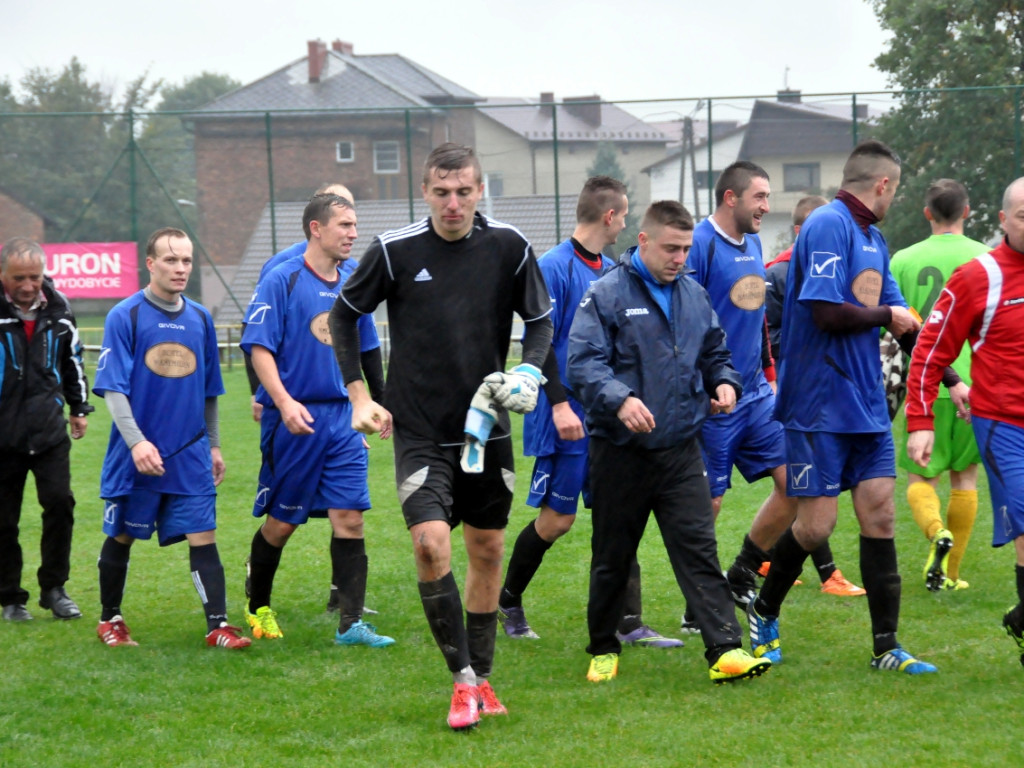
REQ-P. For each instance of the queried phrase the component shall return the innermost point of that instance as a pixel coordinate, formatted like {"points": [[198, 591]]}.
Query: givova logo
{"points": [[799, 476]]}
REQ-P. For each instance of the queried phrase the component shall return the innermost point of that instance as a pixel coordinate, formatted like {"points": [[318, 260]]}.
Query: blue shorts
{"points": [[1002, 452], [303, 476], [173, 515], [828, 463], [749, 438], [558, 480]]}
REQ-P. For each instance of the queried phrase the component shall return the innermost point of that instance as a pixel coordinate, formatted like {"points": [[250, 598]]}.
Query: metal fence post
{"points": [[270, 181], [408, 163], [554, 155]]}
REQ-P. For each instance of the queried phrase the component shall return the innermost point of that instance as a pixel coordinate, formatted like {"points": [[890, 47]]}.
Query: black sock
{"points": [[263, 561], [749, 557], [443, 607], [481, 629], [113, 568], [824, 561], [881, 577], [349, 567], [527, 555], [208, 578], [1020, 582], [632, 610], [787, 562]]}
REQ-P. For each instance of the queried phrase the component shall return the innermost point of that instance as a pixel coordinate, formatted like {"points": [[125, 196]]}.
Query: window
{"points": [[385, 157], [702, 179], [344, 152], [801, 177], [494, 185]]}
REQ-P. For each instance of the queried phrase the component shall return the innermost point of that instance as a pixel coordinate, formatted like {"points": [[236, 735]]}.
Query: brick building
{"points": [[18, 219]]}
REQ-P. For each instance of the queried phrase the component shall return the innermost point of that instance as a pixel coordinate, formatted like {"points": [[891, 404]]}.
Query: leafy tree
{"points": [[964, 135]]}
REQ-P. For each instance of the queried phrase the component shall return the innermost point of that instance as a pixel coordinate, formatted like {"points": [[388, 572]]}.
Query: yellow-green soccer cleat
{"points": [[264, 623], [737, 664], [603, 668], [938, 560]]}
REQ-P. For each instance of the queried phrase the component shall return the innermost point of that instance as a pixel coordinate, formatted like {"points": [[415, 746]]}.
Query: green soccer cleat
{"points": [[264, 623], [938, 560], [603, 668], [737, 664]]}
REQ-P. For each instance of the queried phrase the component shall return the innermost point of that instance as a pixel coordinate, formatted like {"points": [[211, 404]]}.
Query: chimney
{"points": [[590, 113], [788, 96], [547, 97], [342, 47], [317, 56]]}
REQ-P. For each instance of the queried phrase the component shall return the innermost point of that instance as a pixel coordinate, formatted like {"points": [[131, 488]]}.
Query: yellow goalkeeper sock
{"points": [[925, 505], [960, 514]]}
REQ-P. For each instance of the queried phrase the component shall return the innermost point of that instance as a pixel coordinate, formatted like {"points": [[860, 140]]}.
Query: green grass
{"points": [[67, 700]]}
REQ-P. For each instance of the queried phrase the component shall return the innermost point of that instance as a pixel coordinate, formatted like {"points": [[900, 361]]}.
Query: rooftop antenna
{"points": [[785, 79]]}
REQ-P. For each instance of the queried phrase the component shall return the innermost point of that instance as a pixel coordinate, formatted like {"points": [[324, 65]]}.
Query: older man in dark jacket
{"points": [[40, 372], [648, 362]]}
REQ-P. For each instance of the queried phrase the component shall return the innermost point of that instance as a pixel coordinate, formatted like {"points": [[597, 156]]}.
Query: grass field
{"points": [[68, 700]]}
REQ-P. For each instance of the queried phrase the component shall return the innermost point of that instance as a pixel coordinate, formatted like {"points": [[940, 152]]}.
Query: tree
{"points": [[606, 163], [968, 135]]}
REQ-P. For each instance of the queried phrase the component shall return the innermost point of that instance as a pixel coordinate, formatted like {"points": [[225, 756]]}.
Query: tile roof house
{"points": [[802, 146], [329, 116]]}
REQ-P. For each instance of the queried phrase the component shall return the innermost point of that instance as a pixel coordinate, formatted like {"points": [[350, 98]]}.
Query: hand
{"points": [[903, 321], [959, 395], [516, 390], [257, 409], [218, 465], [724, 400], [919, 446], [147, 459], [567, 422], [296, 418], [78, 426], [369, 417], [634, 414]]}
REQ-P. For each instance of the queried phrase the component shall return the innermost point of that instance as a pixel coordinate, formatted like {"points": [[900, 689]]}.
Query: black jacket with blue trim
{"points": [[39, 376]]}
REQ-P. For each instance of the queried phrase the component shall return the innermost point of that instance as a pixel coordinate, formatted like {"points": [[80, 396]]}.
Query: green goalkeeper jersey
{"points": [[922, 270]]}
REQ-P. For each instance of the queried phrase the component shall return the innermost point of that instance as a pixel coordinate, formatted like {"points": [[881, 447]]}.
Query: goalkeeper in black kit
{"points": [[452, 283]]}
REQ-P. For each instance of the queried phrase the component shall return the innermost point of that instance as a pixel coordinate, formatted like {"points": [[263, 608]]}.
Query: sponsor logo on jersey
{"points": [[259, 312], [320, 329], [869, 248], [823, 264], [170, 360], [172, 326], [748, 292], [1012, 302], [422, 276], [745, 258], [584, 301], [634, 311], [831, 486], [328, 295], [799, 475], [867, 287], [935, 317]]}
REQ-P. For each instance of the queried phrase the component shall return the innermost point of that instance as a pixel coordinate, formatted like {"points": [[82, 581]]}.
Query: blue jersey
{"points": [[734, 277], [289, 253], [166, 363], [568, 277], [832, 382], [288, 316]]}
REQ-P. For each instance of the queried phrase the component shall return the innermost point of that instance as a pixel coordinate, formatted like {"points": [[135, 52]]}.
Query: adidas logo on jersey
{"points": [[422, 276]]}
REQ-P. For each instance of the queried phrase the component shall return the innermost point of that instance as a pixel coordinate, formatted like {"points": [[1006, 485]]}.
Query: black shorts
{"points": [[432, 485]]}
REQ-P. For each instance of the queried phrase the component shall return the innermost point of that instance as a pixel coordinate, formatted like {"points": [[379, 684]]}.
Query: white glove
{"points": [[516, 390], [480, 419]]}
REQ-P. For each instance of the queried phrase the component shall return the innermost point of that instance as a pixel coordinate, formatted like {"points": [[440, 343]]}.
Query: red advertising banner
{"points": [[93, 270]]}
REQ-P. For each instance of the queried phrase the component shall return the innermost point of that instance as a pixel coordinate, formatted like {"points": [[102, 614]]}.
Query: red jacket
{"points": [[983, 303]]}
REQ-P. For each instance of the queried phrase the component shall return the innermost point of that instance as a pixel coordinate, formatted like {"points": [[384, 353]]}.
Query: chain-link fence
{"points": [[237, 181]]}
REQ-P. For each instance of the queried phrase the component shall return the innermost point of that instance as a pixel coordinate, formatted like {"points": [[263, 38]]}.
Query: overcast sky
{"points": [[636, 49]]}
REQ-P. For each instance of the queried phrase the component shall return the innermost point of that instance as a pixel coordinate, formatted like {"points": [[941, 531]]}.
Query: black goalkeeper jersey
{"points": [[450, 310]]}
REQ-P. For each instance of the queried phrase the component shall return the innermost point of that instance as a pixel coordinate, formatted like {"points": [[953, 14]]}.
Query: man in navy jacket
{"points": [[648, 362]]}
